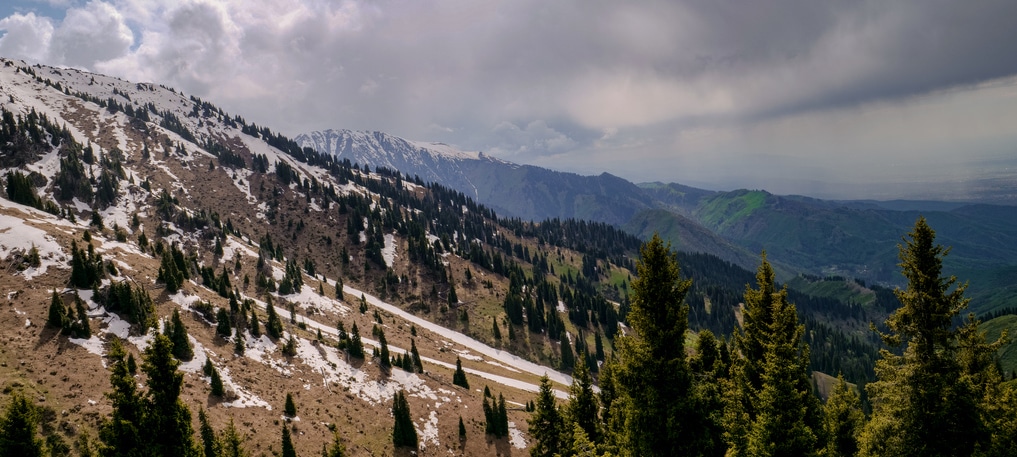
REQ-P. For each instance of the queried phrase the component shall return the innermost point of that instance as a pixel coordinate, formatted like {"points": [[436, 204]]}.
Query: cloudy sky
{"points": [[899, 99]]}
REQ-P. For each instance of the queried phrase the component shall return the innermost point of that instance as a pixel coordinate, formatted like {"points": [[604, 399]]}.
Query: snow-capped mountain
{"points": [[136, 173], [432, 162], [523, 191]]}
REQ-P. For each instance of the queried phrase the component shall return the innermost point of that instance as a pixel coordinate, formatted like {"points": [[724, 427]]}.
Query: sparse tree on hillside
{"points": [[403, 433], [290, 408], [459, 377], [546, 423], [178, 334]]}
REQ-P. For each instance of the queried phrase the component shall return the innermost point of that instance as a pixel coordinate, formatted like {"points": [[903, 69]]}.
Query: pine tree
{"points": [[568, 358], [208, 440], [384, 354], [403, 433], [181, 345], [121, 431], [459, 377], [222, 326], [18, 429], [462, 430], [230, 442], [417, 364], [653, 365], [57, 312], [338, 449], [287, 443], [786, 421], [218, 389], [168, 421], [546, 424], [290, 409], [81, 328], [582, 407], [843, 420], [273, 325], [920, 404], [169, 273], [355, 347]]}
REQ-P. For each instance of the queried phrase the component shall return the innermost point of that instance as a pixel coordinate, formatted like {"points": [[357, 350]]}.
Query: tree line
{"points": [[937, 389]]}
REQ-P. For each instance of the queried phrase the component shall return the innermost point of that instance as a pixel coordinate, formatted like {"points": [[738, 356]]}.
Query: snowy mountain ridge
{"points": [[432, 162], [175, 172]]}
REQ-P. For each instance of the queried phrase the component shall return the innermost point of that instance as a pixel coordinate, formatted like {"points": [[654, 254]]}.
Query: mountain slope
{"points": [[523, 191], [139, 173]]}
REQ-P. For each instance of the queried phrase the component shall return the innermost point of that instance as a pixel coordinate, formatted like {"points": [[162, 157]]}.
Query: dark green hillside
{"points": [[993, 328], [826, 238], [686, 235], [535, 193]]}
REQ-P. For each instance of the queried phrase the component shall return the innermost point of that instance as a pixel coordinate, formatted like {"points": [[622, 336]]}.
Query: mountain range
{"points": [[347, 270], [856, 239]]}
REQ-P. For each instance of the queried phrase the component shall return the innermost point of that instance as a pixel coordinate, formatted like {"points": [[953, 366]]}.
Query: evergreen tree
{"points": [[546, 424], [568, 359], [453, 299], [338, 449], [287, 443], [459, 377], [57, 312], [181, 345], [121, 431], [582, 407], [80, 327], [208, 440], [230, 442], [18, 429], [843, 420], [462, 430], [218, 389], [383, 354], [169, 273], [290, 409], [403, 433], [921, 406], [355, 348], [222, 326], [168, 420], [786, 407], [417, 364], [273, 325], [662, 416]]}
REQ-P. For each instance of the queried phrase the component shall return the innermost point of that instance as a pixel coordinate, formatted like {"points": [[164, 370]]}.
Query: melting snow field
{"points": [[16, 235]]}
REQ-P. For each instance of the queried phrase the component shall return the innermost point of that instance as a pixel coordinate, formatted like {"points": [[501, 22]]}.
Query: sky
{"points": [[850, 99]]}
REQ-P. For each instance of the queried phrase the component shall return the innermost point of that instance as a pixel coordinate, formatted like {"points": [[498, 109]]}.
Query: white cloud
{"points": [[26, 36], [89, 35], [639, 89]]}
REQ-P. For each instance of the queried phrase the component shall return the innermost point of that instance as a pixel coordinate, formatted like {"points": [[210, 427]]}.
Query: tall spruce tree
{"points": [[843, 419], [787, 420], [168, 420], [121, 431], [18, 429], [582, 407], [546, 424], [771, 408], [921, 407], [403, 433], [662, 415], [178, 335], [459, 377]]}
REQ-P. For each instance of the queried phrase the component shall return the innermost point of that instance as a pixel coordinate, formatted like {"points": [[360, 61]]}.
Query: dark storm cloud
{"points": [[641, 89]]}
